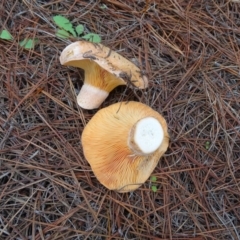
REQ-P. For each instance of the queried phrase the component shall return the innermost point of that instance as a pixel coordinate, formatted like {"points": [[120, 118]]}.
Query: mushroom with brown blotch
{"points": [[123, 144], [104, 70]]}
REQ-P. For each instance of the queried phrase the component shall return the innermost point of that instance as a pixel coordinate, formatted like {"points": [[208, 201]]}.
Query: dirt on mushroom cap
{"points": [[107, 59]]}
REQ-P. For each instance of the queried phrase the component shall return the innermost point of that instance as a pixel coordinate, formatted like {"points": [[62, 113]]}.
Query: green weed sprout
{"points": [[207, 145], [153, 186], [67, 30], [28, 43]]}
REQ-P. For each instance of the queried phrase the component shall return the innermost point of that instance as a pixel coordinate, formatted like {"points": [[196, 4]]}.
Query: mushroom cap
{"points": [[107, 147], [82, 53]]}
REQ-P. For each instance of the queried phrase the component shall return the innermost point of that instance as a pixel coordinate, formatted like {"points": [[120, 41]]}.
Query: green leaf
{"points": [[5, 34], [64, 23], [28, 43], [92, 37], [79, 29], [154, 188], [153, 178], [62, 34]]}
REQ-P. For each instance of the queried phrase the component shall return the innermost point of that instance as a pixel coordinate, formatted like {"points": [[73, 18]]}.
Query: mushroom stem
{"points": [[146, 136], [91, 97], [97, 85]]}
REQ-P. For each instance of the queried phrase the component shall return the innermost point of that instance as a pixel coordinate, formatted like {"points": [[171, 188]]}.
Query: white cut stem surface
{"points": [[91, 97], [148, 135]]}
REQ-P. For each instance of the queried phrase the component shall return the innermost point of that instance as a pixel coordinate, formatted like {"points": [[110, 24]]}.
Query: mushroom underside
{"points": [[106, 147]]}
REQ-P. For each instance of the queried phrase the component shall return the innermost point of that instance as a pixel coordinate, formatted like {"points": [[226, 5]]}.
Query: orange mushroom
{"points": [[123, 144], [104, 70]]}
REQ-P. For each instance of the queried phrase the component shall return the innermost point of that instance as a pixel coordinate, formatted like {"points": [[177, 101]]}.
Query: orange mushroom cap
{"points": [[123, 144]]}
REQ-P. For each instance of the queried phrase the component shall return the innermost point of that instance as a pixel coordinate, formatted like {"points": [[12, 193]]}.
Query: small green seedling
{"points": [[6, 35], [207, 145], [153, 180], [154, 188], [67, 30], [28, 43], [103, 6], [79, 29]]}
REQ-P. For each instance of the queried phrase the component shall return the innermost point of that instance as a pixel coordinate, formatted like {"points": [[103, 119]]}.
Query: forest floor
{"points": [[190, 51]]}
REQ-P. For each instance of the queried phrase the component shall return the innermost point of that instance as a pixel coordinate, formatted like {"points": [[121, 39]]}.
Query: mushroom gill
{"points": [[110, 148]]}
